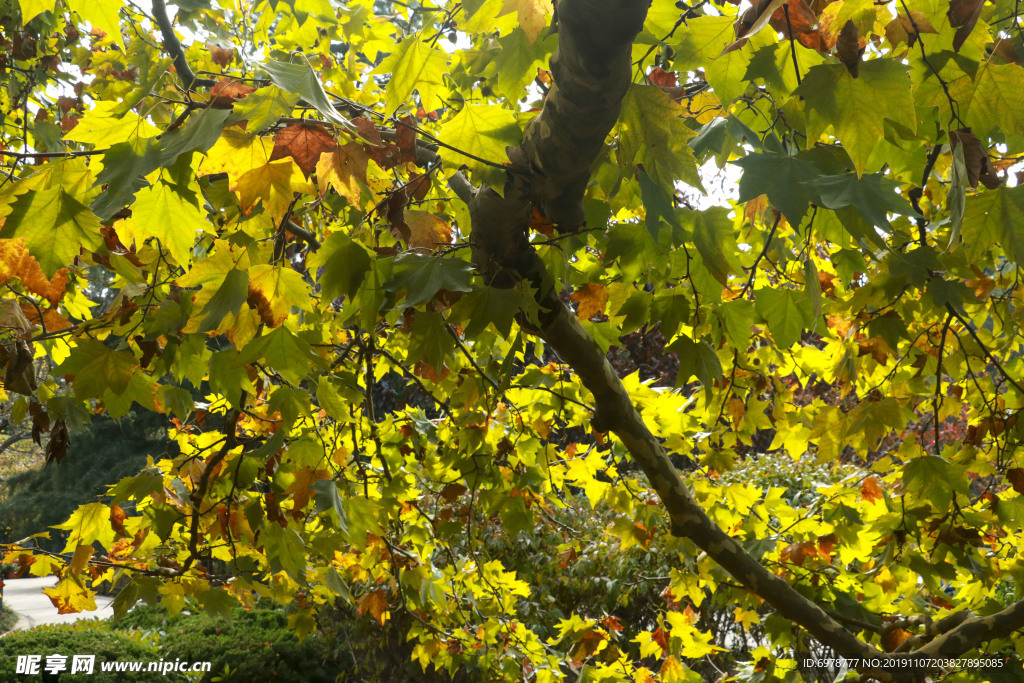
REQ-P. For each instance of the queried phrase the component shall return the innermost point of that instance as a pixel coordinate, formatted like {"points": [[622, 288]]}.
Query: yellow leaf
{"points": [[236, 153], [275, 183], [102, 128], [68, 597], [273, 291], [102, 14], [343, 169], [533, 15], [80, 560]]}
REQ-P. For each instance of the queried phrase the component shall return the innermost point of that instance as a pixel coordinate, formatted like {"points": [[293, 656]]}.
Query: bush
{"points": [[254, 646], [83, 638]]}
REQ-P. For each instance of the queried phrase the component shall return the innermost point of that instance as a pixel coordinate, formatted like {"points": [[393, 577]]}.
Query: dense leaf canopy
{"points": [[415, 283]]}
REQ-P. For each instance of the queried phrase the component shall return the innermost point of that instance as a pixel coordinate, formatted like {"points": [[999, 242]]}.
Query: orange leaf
{"points": [[591, 298], [15, 261], [225, 91], [376, 604], [427, 230], [221, 56], [871, 489], [117, 517], [304, 142]]}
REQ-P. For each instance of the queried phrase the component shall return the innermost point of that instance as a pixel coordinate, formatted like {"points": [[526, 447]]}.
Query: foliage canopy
{"points": [[369, 260]]}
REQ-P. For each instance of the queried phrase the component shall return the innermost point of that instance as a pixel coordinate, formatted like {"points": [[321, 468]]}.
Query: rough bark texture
{"points": [[592, 73]]}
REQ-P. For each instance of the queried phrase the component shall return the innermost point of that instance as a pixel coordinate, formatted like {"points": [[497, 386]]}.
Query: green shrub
{"points": [[82, 638], [255, 645]]}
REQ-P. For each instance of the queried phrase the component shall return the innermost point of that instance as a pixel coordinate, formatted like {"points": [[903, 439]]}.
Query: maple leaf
{"points": [[376, 603], [303, 142], [592, 298], [221, 56], [427, 231], [16, 261], [533, 15], [274, 183], [963, 15], [343, 170], [226, 91]]}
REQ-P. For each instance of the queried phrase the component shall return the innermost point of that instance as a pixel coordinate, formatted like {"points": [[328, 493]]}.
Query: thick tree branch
{"points": [[189, 80], [591, 71]]}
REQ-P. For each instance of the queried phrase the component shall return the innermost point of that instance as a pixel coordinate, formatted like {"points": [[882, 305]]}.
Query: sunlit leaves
{"points": [[102, 128], [533, 14], [414, 65], [165, 212], [652, 133], [994, 216], [855, 108], [97, 368], [274, 290], [54, 225], [483, 131]]}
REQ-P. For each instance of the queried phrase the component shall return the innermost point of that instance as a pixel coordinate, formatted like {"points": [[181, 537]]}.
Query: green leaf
{"points": [[98, 368], [421, 277], [228, 299], [658, 204], [55, 226], [123, 166], [516, 61], [199, 134], [957, 195], [652, 132], [934, 479], [285, 550], [263, 107], [487, 305], [871, 195], [286, 352], [855, 108], [715, 239], [430, 339], [325, 493], [299, 79], [787, 312], [483, 130], [345, 264], [696, 359], [779, 177], [993, 216], [166, 211], [413, 65]]}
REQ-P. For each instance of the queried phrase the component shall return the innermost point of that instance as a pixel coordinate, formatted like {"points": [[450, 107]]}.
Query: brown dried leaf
{"points": [[979, 166], [396, 215], [1015, 476], [57, 446], [963, 15], [406, 138], [849, 49], [1004, 49], [221, 56], [225, 91], [303, 142]]}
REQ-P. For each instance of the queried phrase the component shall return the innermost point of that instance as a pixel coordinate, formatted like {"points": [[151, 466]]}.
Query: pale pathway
{"points": [[26, 597]]}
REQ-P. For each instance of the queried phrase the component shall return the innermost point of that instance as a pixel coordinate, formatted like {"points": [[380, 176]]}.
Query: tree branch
{"points": [[189, 80]]}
